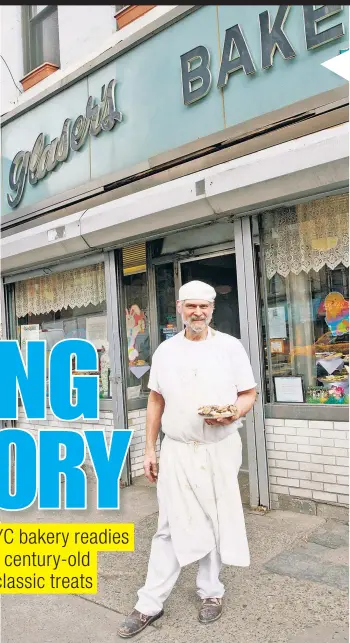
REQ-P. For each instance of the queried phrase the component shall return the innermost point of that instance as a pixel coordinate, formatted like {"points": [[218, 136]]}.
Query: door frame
{"points": [[197, 257], [248, 303], [251, 338], [116, 331]]}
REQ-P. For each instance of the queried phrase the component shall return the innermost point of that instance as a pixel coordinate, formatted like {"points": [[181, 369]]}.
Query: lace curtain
{"points": [[307, 236], [74, 288]]}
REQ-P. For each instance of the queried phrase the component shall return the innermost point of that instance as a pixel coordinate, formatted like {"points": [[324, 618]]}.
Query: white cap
{"points": [[197, 290]]}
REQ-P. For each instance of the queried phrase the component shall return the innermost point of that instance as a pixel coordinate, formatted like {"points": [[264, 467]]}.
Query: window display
{"points": [[166, 306], [137, 320], [70, 304], [306, 301]]}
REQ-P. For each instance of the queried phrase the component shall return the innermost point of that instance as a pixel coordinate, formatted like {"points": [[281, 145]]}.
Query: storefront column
{"points": [[114, 328], [249, 322]]}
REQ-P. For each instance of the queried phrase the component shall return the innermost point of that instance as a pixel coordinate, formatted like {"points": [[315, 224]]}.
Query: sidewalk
{"points": [[295, 590]]}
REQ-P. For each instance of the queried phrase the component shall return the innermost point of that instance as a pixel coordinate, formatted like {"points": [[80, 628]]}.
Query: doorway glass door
{"points": [[220, 272], [231, 269]]}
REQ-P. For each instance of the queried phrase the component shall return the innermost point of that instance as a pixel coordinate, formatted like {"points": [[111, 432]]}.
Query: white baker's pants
{"points": [[164, 570]]}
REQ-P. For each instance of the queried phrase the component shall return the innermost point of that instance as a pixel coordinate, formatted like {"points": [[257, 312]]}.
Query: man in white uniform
{"points": [[200, 509]]}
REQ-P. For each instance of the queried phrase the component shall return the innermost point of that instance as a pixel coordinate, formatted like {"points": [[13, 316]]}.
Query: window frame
{"points": [[126, 13], [141, 401], [121, 8], [297, 410], [29, 52], [9, 283]]}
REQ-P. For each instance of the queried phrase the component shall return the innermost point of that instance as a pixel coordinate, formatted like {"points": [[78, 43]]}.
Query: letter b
{"points": [[201, 72]]}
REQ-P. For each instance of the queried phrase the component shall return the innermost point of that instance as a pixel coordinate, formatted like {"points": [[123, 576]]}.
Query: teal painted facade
{"points": [[149, 95]]}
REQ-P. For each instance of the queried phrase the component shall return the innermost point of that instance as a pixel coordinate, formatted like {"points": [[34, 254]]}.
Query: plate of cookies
{"points": [[212, 411]]}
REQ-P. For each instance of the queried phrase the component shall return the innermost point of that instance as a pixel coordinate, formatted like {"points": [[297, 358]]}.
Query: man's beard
{"points": [[190, 324]]}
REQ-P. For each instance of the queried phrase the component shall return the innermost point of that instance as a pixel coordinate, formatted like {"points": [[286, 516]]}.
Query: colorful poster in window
{"points": [[169, 331], [336, 309], [135, 324]]}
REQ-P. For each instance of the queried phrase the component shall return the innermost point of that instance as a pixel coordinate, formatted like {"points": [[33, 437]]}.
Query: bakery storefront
{"points": [[102, 226]]}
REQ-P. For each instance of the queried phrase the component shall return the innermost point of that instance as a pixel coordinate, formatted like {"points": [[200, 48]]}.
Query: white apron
{"points": [[198, 489]]}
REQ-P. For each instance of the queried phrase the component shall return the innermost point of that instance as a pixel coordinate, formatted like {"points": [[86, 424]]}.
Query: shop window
{"points": [[166, 301], [135, 290], [41, 42], [63, 305], [306, 302]]}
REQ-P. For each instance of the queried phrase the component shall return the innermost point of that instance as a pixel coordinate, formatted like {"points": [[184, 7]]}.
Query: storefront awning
{"points": [[307, 166]]}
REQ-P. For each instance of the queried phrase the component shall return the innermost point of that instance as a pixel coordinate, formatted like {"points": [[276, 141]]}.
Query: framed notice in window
{"points": [[289, 389]]}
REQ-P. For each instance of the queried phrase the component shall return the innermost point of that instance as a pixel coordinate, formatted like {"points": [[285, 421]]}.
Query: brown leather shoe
{"points": [[210, 610], [135, 623]]}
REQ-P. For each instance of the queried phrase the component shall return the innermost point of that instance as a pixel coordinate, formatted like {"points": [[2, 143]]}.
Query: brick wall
{"points": [[308, 460], [137, 422]]}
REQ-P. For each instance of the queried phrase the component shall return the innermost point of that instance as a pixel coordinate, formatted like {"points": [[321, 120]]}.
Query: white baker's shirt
{"points": [[189, 374]]}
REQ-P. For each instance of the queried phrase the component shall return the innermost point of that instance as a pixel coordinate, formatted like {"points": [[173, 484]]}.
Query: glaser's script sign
{"points": [[45, 157]]}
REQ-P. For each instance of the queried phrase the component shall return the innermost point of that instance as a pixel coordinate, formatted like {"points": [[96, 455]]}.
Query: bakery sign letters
{"points": [[195, 64], [46, 156]]}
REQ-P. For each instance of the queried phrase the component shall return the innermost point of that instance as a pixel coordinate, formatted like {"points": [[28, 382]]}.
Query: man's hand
{"points": [[222, 421], [244, 404], [150, 465]]}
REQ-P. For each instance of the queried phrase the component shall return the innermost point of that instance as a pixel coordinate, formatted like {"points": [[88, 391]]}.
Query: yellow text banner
{"points": [[57, 558]]}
